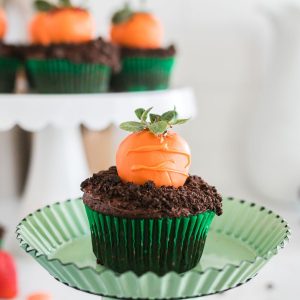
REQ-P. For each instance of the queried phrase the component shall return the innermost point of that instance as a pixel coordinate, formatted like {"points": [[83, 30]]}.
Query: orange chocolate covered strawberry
{"points": [[61, 23], [2, 23], [136, 29], [38, 29], [152, 153]]}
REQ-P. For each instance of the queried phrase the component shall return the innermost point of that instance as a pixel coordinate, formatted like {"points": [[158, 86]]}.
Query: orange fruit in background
{"points": [[38, 29], [63, 25], [142, 30], [71, 25], [143, 156], [2, 23], [39, 296]]}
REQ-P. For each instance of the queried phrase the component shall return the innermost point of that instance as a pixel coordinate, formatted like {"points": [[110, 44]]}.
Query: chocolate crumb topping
{"points": [[106, 193], [157, 52], [7, 50], [96, 51]]}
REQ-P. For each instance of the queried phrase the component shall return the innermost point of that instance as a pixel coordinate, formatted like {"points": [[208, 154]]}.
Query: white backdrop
{"points": [[224, 54], [225, 51]]}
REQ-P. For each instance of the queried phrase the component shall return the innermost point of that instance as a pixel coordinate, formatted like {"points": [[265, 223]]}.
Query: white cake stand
{"points": [[58, 163]]}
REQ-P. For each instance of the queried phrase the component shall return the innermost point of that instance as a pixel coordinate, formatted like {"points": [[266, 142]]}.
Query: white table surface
{"points": [[277, 281]]}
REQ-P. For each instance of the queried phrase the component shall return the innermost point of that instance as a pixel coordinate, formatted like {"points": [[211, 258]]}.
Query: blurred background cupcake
{"points": [[146, 65], [65, 57], [8, 63]]}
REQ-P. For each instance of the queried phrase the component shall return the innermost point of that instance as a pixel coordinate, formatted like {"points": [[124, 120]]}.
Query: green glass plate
{"points": [[239, 244]]}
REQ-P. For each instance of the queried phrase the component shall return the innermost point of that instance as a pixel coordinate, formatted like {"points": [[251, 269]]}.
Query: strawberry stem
{"points": [[157, 124]]}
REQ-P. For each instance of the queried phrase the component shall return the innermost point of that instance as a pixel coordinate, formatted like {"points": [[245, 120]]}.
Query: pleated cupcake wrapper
{"points": [[63, 76], [141, 245], [8, 72], [143, 73], [42, 233]]}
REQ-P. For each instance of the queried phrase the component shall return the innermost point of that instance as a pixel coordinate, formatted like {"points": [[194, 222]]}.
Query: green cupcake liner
{"points": [[8, 71], [63, 76], [143, 73], [142, 245]]}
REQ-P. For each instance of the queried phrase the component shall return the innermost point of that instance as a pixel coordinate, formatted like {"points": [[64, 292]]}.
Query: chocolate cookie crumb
{"points": [[106, 193], [97, 51], [156, 52]]}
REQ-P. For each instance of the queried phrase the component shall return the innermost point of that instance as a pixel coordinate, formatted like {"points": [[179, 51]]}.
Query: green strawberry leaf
{"points": [[122, 15], [169, 116], [42, 5], [154, 118], [65, 3], [139, 112], [145, 114], [158, 124], [158, 127], [132, 126], [181, 121]]}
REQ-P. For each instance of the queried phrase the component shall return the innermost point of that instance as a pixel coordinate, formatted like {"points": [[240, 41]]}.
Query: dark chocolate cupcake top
{"points": [[7, 50], [97, 51], [106, 193], [156, 52]]}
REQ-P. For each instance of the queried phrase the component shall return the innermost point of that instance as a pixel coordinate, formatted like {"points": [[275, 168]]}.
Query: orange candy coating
{"points": [[3, 23], [39, 296], [142, 31], [143, 156], [65, 25], [38, 29]]}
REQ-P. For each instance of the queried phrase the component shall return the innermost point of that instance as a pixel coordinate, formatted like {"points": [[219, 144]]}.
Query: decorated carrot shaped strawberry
{"points": [[8, 273], [153, 151], [146, 63], [136, 29], [65, 57], [148, 213], [61, 23]]}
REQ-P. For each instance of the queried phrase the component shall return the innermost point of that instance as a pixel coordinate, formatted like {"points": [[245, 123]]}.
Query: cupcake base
{"points": [[143, 73], [142, 245], [63, 76], [8, 71]]}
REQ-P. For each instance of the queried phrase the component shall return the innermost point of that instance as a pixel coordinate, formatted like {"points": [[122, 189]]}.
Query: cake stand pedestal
{"points": [[58, 163]]}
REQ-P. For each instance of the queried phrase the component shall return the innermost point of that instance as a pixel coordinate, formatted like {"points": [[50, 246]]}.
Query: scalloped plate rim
{"points": [[274, 251]]}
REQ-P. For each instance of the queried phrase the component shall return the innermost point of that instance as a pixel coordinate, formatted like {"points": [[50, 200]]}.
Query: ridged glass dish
{"points": [[239, 244]]}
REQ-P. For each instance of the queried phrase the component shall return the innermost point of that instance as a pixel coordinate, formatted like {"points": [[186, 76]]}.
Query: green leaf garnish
{"points": [[139, 112], [158, 127], [122, 15], [154, 118], [145, 114], [45, 5], [42, 5], [158, 124], [170, 116], [181, 121], [65, 3], [132, 126]]}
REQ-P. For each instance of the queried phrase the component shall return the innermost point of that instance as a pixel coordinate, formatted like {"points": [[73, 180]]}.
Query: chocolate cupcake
{"points": [[65, 57], [9, 65], [72, 68], [148, 213], [146, 65]]}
